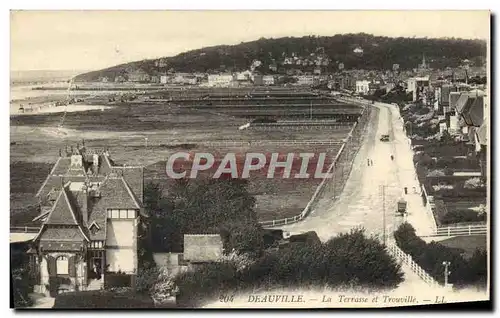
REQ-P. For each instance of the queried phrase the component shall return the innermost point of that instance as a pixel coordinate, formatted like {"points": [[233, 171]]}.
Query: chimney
{"points": [[85, 202]]}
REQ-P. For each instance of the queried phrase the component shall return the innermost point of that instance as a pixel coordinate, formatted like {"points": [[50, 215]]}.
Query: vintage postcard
{"points": [[223, 159]]}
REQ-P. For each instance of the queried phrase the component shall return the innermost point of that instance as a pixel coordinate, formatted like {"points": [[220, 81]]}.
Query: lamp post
{"points": [[446, 273]]}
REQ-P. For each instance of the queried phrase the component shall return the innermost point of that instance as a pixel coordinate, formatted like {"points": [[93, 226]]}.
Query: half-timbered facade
{"points": [[90, 213]]}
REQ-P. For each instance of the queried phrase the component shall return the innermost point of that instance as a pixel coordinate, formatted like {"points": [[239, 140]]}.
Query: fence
{"points": [[298, 126], [345, 154], [24, 229], [397, 253], [465, 230], [231, 143]]}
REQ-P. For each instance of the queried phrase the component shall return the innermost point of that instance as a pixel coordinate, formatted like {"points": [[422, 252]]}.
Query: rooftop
{"points": [[200, 248]]}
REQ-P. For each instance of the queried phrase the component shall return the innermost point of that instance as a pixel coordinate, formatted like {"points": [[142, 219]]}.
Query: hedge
{"points": [[350, 259], [116, 280], [430, 256], [102, 299], [462, 216]]}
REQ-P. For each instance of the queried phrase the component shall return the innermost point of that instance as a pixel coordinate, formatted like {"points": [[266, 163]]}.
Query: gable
{"points": [[62, 212]]}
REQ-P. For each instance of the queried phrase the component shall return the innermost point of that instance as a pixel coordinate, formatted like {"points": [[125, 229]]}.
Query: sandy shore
{"points": [[46, 109]]}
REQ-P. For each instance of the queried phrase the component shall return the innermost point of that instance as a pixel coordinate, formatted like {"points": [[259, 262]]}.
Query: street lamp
{"points": [[446, 273]]}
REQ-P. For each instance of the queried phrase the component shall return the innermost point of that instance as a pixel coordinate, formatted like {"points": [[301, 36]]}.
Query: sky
{"points": [[91, 40]]}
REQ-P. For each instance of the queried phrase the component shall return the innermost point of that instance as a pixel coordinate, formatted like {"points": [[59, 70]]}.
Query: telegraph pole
{"points": [[446, 273], [382, 188], [383, 210]]}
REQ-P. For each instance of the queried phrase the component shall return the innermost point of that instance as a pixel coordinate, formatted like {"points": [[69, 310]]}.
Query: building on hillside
{"points": [[220, 80], [305, 80], [89, 219], [163, 79], [119, 79], [202, 248], [362, 87], [268, 80], [138, 76], [481, 143], [185, 79], [418, 86], [470, 106], [155, 79], [258, 80]]}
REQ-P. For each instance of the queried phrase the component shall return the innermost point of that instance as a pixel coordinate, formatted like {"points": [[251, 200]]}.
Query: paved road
{"points": [[361, 203]]}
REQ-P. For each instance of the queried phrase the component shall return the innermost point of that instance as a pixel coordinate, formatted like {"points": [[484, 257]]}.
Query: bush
{"points": [[146, 279], [117, 280], [474, 183], [431, 257], [349, 259], [462, 216], [102, 299], [22, 286]]}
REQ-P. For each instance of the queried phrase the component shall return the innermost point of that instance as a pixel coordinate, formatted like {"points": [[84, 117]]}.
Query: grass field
{"points": [[466, 243], [123, 129]]}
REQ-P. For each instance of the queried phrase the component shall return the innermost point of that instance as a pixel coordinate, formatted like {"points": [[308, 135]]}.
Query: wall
{"points": [[77, 282], [121, 245]]}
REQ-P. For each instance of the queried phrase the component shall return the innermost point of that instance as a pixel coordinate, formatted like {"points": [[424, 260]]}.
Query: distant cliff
{"points": [[354, 51]]}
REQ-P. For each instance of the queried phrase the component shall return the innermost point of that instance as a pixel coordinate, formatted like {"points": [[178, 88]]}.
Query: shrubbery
{"points": [[200, 206], [347, 260], [430, 256], [462, 216], [103, 299]]}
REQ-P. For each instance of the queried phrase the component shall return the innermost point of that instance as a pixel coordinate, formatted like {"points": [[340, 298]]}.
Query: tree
{"points": [[198, 206]]}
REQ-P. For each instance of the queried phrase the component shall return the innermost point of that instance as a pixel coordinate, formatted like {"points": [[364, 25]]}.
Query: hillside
{"points": [[355, 51]]}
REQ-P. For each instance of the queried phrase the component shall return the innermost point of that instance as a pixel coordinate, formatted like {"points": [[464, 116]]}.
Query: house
{"points": [[470, 106], [163, 79], [185, 79], [268, 80], [358, 50], [418, 86], [481, 142], [362, 87], [90, 211], [202, 248], [221, 80], [305, 80], [258, 79], [138, 76]]}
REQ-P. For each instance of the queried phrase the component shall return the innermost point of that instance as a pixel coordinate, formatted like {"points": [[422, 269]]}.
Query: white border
{"points": [[184, 4]]}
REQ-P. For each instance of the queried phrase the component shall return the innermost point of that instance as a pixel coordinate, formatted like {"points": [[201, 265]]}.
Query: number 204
{"points": [[226, 299]]}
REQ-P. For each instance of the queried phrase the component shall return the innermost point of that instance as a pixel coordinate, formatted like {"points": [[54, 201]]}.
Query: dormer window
{"points": [[94, 228]]}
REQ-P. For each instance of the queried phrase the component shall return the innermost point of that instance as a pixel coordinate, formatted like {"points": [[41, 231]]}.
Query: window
{"points": [[131, 214], [122, 214], [62, 265]]}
